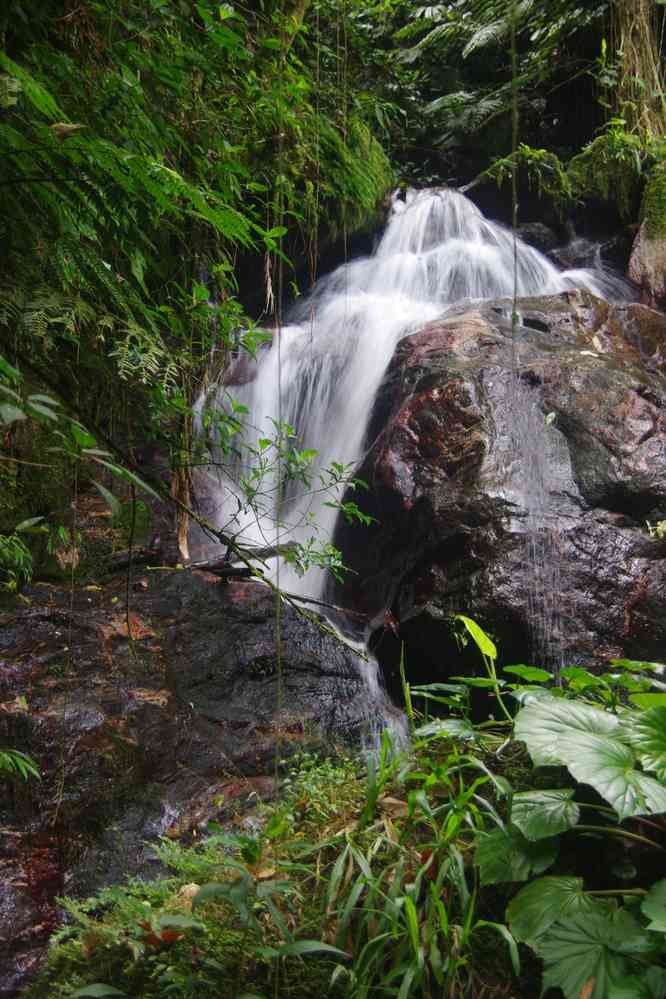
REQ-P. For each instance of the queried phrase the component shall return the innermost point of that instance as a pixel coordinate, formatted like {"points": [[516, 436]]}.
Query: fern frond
{"points": [[488, 34]]}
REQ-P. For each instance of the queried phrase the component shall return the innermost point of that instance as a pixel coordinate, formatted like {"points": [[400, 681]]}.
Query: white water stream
{"points": [[323, 369]]}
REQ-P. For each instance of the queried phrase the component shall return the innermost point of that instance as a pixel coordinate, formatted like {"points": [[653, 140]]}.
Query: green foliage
{"points": [[610, 167], [15, 563], [382, 876], [233, 918], [544, 171], [17, 764], [145, 150], [475, 36]]}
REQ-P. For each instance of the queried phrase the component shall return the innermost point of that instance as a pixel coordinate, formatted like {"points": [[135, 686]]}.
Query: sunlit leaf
{"points": [[609, 767], [542, 724], [486, 646]]}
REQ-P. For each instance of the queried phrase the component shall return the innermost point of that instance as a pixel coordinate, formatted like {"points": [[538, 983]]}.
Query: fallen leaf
{"points": [[160, 697], [393, 806], [18, 704]]}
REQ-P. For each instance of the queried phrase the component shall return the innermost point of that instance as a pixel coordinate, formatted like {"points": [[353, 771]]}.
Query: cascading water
{"points": [[323, 369]]}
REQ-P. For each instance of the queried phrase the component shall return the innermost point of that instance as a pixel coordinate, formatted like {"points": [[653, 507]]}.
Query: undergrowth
{"points": [[455, 866]]}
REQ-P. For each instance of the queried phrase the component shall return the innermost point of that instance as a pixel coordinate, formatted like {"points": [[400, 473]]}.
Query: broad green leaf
{"points": [[648, 700], [592, 947], [301, 947], [113, 502], [543, 723], [532, 674], [505, 855], [40, 98], [580, 678], [42, 410], [524, 695], [546, 901], [138, 266], [124, 473], [28, 525], [650, 984], [81, 435], [412, 920], [456, 728], [638, 665], [647, 735], [8, 371], [654, 907], [609, 767], [483, 642], [10, 413], [5, 389], [46, 399], [539, 814]]}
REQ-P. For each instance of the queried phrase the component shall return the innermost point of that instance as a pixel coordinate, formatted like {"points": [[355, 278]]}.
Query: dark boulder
{"points": [[512, 476], [539, 235]]}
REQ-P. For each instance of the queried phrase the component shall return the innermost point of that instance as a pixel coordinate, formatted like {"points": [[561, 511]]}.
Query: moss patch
{"points": [[653, 207]]}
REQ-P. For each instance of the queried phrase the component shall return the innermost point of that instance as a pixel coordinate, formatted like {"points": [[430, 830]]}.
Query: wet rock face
{"points": [[512, 477], [647, 266], [148, 739]]}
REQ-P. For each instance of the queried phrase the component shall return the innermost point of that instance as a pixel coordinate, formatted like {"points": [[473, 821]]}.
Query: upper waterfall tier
{"points": [[438, 248]]}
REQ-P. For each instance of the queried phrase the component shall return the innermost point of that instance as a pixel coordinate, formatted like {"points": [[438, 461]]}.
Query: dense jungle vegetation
{"points": [[172, 175]]}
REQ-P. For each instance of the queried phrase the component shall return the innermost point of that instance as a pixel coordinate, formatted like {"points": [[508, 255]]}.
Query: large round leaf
{"points": [[539, 814], [651, 984], [594, 950], [654, 907], [546, 901], [542, 724], [608, 766], [505, 855], [648, 736]]}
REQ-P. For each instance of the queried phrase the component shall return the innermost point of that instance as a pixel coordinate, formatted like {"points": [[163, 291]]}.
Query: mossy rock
{"points": [[653, 207]]}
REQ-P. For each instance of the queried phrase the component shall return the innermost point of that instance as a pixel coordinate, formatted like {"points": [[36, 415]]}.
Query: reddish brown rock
{"points": [[475, 433], [647, 267]]}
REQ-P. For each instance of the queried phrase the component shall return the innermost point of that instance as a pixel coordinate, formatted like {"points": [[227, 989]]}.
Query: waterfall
{"points": [[324, 367]]}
